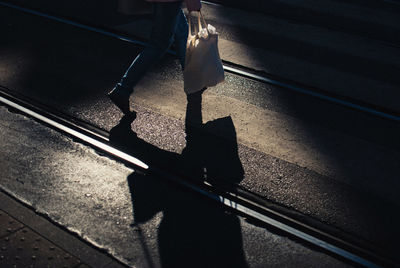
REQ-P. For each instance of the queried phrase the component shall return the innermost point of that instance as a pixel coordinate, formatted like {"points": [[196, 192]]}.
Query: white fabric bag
{"points": [[203, 66]]}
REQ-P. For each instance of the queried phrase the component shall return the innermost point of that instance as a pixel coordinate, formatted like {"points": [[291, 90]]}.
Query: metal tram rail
{"points": [[241, 202], [240, 71]]}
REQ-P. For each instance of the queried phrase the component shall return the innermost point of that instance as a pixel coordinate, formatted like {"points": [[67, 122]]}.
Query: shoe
{"points": [[120, 100]]}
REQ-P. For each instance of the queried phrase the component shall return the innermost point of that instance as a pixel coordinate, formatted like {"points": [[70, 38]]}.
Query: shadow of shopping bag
{"points": [[203, 66], [221, 156]]}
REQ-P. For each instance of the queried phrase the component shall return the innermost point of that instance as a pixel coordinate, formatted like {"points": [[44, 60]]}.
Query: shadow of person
{"points": [[194, 231]]}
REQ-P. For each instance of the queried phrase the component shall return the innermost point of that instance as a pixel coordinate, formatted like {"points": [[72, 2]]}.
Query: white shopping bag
{"points": [[203, 66]]}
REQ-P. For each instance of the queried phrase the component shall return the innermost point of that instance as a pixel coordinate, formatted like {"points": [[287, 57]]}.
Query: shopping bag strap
{"points": [[200, 20]]}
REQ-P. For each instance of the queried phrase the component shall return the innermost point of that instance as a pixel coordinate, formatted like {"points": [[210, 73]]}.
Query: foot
{"points": [[120, 100]]}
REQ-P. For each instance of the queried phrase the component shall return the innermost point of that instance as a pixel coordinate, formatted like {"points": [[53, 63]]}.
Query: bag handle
{"points": [[200, 20]]}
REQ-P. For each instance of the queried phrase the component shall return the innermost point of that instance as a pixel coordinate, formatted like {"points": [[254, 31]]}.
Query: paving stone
{"points": [[25, 248], [8, 225]]}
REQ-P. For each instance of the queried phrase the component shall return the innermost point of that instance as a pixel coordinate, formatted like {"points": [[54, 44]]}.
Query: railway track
{"points": [[238, 201]]}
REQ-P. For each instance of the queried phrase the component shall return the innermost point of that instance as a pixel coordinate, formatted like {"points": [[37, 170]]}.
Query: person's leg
{"points": [[181, 35], [165, 20], [166, 16]]}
